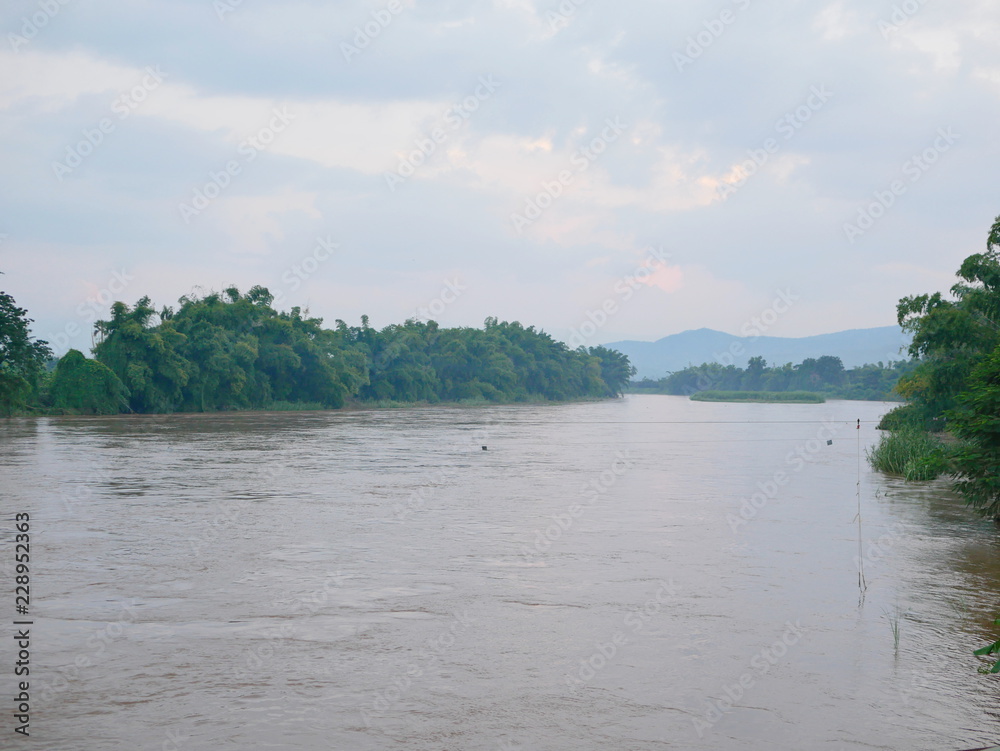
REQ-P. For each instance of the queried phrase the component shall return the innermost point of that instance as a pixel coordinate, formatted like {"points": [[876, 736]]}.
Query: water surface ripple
{"points": [[375, 580]]}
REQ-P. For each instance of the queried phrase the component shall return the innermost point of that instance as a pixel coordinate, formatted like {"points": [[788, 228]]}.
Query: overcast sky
{"points": [[678, 164]]}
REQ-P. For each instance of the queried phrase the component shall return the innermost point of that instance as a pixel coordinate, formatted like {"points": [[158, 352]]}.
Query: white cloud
{"points": [[332, 133], [53, 81], [837, 21]]}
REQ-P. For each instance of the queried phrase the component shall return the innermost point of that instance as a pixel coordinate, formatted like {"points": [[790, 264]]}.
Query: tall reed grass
{"points": [[894, 617], [911, 453]]}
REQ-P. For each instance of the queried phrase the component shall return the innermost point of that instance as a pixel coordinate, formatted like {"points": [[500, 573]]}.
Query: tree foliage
{"points": [[22, 359], [825, 375], [87, 387], [952, 336], [977, 421], [958, 379], [232, 351]]}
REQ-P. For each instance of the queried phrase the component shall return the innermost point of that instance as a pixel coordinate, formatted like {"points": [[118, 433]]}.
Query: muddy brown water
{"points": [[643, 573]]}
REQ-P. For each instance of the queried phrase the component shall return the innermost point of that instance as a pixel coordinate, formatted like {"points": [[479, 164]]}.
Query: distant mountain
{"points": [[676, 352]]}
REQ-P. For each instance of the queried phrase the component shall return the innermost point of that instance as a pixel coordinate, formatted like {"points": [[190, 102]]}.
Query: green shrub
{"points": [[977, 422], [925, 468], [914, 454], [83, 386], [910, 417]]}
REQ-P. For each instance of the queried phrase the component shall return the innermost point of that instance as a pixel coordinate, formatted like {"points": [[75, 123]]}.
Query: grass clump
{"points": [[913, 454], [894, 617]]}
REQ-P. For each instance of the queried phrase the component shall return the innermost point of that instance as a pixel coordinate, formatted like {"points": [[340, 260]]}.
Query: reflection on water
{"points": [[632, 574]]}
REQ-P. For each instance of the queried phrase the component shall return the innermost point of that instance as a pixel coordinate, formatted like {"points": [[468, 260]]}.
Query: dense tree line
{"points": [[235, 351], [22, 359], [956, 386], [825, 375]]}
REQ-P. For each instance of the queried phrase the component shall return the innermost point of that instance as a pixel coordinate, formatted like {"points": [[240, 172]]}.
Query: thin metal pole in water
{"points": [[862, 584]]}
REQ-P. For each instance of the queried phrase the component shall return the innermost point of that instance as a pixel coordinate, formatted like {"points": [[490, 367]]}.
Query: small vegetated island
{"points": [[810, 382], [761, 397], [234, 351]]}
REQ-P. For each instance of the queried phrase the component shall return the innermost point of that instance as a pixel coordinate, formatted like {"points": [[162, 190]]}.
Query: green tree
{"points": [[755, 370], [616, 370], [826, 374], [958, 377], [232, 351], [22, 359], [830, 370], [86, 387], [976, 420], [145, 357], [951, 337]]}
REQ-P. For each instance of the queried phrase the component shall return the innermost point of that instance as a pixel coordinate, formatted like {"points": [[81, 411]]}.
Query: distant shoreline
{"points": [[375, 406], [761, 397]]}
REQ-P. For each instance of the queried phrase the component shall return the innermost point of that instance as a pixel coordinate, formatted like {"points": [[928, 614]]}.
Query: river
{"points": [[642, 573]]}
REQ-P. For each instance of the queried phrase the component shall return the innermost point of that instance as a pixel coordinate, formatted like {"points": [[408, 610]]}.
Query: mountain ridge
{"points": [[696, 346]]}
